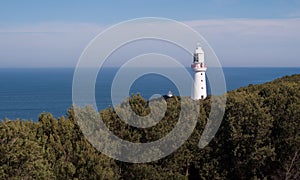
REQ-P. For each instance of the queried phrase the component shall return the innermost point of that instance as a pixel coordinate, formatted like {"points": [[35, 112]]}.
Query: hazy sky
{"points": [[36, 33]]}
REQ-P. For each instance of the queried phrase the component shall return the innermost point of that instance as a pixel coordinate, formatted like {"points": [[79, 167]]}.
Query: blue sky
{"points": [[37, 33]]}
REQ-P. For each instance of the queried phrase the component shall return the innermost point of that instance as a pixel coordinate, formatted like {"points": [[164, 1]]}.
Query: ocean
{"points": [[25, 93]]}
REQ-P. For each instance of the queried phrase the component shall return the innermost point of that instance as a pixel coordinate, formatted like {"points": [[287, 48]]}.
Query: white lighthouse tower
{"points": [[200, 81]]}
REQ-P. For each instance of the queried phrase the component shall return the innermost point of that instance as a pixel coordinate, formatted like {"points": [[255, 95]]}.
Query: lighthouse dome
{"points": [[199, 50]]}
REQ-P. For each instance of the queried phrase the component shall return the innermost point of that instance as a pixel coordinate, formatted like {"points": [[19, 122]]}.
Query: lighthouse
{"points": [[199, 67]]}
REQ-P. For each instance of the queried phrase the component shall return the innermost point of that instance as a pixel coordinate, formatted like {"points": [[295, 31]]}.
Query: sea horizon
{"points": [[27, 92]]}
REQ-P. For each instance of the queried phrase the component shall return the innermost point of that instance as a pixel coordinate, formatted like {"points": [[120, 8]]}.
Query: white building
{"points": [[199, 67]]}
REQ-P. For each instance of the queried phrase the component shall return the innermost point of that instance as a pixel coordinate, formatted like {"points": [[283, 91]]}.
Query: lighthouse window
{"points": [[201, 87], [201, 80], [196, 60], [201, 73]]}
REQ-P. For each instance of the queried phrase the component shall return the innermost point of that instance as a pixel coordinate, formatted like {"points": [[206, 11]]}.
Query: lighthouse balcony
{"points": [[198, 67]]}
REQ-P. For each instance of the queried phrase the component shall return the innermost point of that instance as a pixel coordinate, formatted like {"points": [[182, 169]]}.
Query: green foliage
{"points": [[259, 138], [50, 149]]}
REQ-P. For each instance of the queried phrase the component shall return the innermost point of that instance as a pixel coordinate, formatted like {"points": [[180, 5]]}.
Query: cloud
{"points": [[253, 42], [53, 27], [45, 45], [237, 42], [248, 27]]}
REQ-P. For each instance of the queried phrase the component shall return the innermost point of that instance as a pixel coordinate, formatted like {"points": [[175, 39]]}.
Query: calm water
{"points": [[25, 93]]}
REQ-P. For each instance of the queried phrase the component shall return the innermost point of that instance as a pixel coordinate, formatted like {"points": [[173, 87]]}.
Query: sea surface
{"points": [[25, 93]]}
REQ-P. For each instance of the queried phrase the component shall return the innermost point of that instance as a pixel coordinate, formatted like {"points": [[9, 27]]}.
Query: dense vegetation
{"points": [[259, 138]]}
